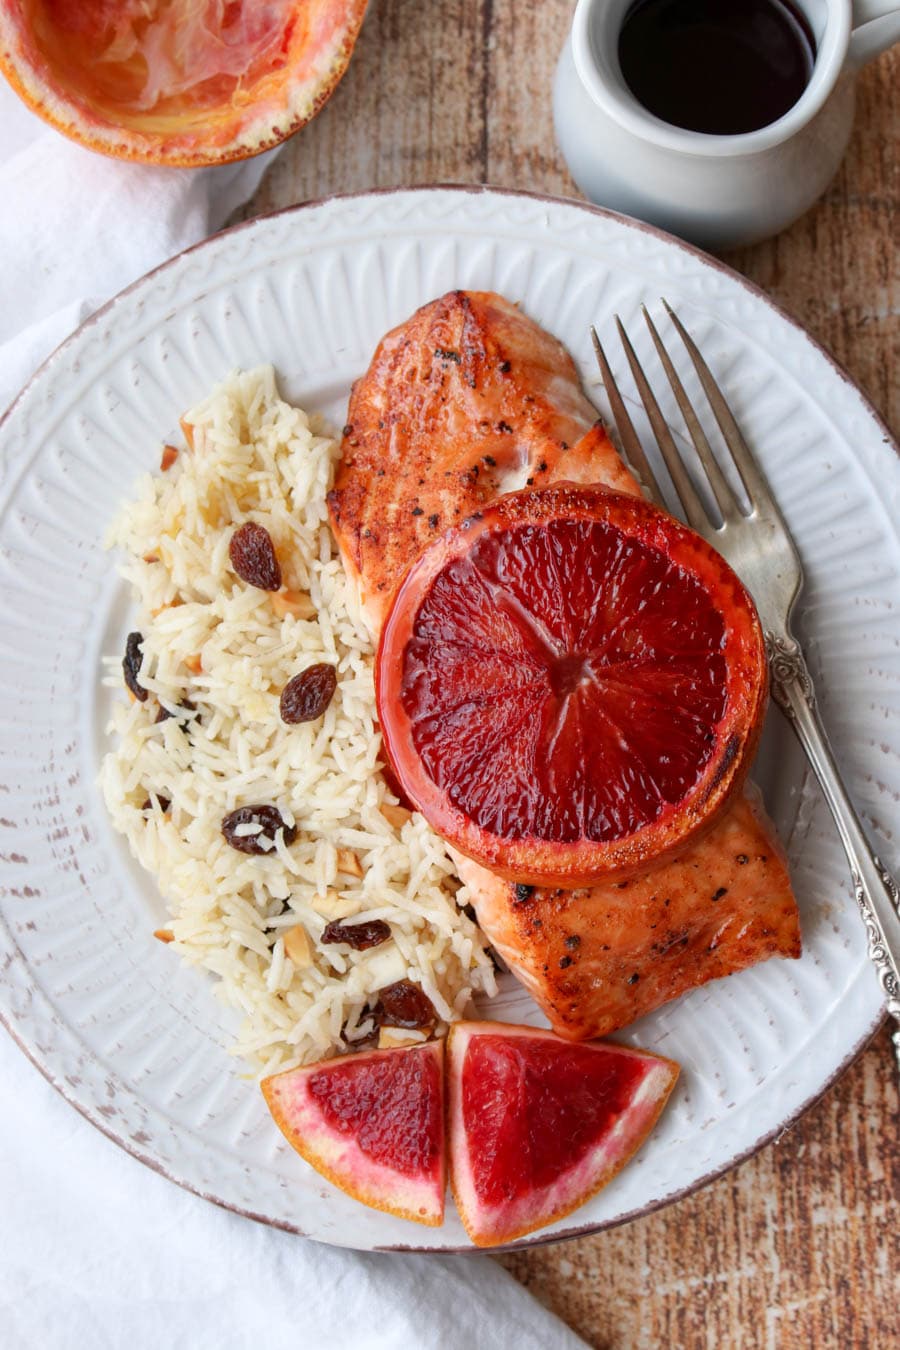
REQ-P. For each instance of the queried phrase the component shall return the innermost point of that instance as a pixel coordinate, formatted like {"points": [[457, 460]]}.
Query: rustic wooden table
{"points": [[800, 1246]]}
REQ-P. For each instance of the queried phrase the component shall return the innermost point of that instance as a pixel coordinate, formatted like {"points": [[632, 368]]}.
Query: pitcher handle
{"points": [[876, 26]]}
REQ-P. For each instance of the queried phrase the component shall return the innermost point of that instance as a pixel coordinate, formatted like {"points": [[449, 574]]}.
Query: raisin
{"points": [[268, 819], [307, 695], [163, 714], [275, 930], [131, 666], [252, 555], [573, 942], [404, 1004], [359, 936], [164, 804], [361, 1042]]}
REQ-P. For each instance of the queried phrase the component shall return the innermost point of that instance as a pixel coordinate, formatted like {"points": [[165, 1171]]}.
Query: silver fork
{"points": [[759, 547]]}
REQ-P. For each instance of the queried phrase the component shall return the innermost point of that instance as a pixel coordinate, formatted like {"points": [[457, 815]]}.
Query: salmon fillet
{"points": [[467, 400], [596, 959]]}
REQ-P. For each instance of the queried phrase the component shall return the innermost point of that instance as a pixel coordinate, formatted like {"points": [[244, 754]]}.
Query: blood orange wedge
{"points": [[538, 1125], [182, 82], [373, 1124], [570, 684]]}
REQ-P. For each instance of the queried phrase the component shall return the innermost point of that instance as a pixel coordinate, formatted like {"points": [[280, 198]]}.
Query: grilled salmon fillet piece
{"points": [[597, 959], [467, 400]]}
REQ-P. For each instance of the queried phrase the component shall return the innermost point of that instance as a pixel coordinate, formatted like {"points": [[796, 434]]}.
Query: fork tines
{"points": [[729, 507]]}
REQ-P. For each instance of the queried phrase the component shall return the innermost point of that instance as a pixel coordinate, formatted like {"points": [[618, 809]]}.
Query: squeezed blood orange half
{"points": [[373, 1124], [537, 1125], [570, 685], [182, 82]]}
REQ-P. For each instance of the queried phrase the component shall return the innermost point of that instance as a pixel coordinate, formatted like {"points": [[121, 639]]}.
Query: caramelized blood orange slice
{"points": [[538, 1125], [373, 1124], [182, 82], [570, 685]]}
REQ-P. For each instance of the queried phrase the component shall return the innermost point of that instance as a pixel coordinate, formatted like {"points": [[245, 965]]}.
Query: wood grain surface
{"points": [[800, 1246]]}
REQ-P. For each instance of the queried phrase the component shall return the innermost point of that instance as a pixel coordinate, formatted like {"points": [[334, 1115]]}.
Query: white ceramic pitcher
{"points": [[718, 191]]}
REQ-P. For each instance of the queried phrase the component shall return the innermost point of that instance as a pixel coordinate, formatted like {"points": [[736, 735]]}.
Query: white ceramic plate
{"points": [[134, 1041]]}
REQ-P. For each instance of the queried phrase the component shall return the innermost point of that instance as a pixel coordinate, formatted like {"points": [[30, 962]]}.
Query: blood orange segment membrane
{"points": [[373, 1124], [538, 1126], [161, 55], [177, 81], [570, 684]]}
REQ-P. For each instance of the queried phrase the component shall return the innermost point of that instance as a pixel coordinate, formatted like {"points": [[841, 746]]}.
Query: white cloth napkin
{"points": [[99, 1252]]}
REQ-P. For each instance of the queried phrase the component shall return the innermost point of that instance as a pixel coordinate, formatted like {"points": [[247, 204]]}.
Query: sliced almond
{"points": [[389, 1037], [187, 429], [164, 934], [296, 947], [174, 522], [170, 604], [168, 457], [295, 603], [348, 863], [385, 965], [395, 815], [324, 904], [332, 905], [194, 663]]}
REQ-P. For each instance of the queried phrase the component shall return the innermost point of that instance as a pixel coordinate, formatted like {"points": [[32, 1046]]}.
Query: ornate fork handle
{"points": [[876, 890]]}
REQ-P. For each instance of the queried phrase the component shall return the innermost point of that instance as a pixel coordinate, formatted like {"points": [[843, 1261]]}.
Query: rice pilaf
{"points": [[215, 655]]}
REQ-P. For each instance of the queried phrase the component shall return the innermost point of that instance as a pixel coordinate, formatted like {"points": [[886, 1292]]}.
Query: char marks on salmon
{"points": [[467, 400], [598, 958]]}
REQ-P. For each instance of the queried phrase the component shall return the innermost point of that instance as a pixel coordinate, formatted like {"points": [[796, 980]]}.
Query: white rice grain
{"points": [[255, 457]]}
